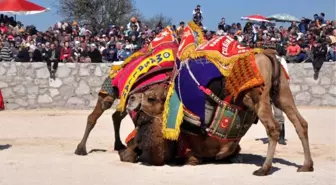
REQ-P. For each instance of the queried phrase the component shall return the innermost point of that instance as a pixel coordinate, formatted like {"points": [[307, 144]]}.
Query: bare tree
{"points": [[97, 13], [155, 20]]}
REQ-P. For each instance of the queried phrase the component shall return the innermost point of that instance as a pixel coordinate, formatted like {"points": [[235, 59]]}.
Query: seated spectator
{"points": [[94, 54], [319, 51], [23, 55], [36, 55], [220, 31], [332, 53], [180, 30], [49, 55], [304, 54], [66, 53], [6, 53], [133, 32], [3, 28], [76, 52], [293, 50], [110, 54]]}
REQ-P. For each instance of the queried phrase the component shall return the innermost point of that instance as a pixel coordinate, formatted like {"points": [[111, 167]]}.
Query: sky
{"points": [[213, 10]]}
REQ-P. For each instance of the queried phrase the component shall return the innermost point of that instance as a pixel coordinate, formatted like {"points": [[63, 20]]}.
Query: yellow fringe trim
{"points": [[168, 133], [189, 50], [197, 29]]}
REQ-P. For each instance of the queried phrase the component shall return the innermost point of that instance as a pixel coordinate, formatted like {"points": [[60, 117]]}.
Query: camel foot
{"points": [[193, 161], [261, 172], [127, 156], [236, 159], [305, 169], [81, 151], [119, 146]]}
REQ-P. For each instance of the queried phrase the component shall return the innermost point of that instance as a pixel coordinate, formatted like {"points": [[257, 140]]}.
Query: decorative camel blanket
{"points": [[236, 62], [199, 62], [157, 55]]}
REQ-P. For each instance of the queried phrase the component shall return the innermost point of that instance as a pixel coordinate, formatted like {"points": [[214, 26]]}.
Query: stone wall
{"points": [[27, 85], [310, 92]]}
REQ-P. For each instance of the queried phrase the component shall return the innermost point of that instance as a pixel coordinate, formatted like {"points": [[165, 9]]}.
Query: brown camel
{"points": [[257, 99], [104, 102]]}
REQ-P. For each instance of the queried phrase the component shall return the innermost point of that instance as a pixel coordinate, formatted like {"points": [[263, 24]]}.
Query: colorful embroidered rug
{"points": [[173, 109], [189, 92], [234, 61], [128, 76], [166, 36], [160, 53]]}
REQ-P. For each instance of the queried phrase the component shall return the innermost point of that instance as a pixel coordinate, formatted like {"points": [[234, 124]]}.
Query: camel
{"points": [[257, 99], [157, 72]]}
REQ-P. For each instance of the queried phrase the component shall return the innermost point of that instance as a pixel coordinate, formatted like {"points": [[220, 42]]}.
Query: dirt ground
{"points": [[37, 148]]}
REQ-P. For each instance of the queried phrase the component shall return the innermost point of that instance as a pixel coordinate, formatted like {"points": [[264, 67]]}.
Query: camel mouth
{"points": [[133, 106]]}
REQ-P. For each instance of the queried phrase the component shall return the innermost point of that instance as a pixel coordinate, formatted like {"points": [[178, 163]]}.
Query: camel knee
{"points": [[273, 131]]}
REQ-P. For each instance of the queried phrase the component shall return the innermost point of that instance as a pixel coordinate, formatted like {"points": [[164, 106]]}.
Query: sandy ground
{"points": [[36, 148]]}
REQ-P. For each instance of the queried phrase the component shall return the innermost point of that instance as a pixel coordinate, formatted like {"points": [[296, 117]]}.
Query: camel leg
{"points": [[286, 103], [116, 118], [129, 154], [266, 117], [262, 106], [192, 159], [91, 122]]}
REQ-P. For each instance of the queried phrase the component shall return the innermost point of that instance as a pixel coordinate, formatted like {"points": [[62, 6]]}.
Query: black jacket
{"points": [[95, 56], [23, 56]]}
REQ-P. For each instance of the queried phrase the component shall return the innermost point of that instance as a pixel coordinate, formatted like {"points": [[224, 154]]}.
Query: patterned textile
{"points": [[173, 115], [230, 123], [192, 36], [107, 88], [2, 103], [244, 75], [224, 52], [192, 97], [128, 76], [167, 35], [160, 53]]}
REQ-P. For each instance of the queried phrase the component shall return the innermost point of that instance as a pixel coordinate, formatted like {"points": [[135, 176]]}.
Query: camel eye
{"points": [[151, 99]]}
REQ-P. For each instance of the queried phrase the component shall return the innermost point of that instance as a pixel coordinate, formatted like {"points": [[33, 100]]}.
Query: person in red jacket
{"points": [[66, 53]]}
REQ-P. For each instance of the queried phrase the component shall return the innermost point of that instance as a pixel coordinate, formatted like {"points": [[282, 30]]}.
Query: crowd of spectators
{"points": [[71, 42]]}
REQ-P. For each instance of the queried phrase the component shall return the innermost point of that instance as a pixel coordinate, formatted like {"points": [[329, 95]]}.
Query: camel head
{"points": [[150, 101], [149, 139]]}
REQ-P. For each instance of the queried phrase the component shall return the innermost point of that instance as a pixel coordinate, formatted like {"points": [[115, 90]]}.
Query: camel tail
{"points": [[276, 73]]}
